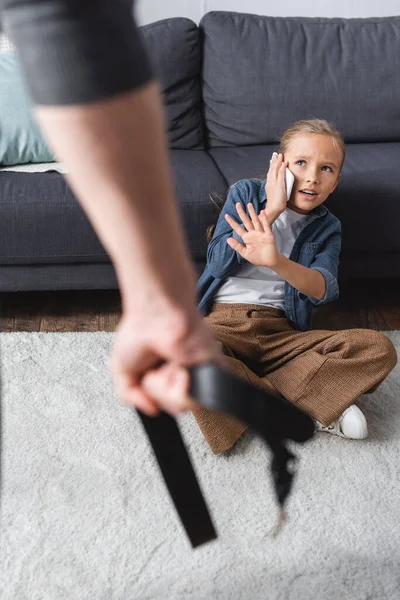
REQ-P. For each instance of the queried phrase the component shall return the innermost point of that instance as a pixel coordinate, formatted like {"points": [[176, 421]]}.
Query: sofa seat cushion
{"points": [[367, 199], [43, 223]]}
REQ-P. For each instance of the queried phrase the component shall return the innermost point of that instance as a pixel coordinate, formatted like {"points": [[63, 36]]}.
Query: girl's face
{"points": [[315, 164]]}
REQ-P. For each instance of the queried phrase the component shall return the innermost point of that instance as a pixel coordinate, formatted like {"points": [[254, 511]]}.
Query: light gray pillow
{"points": [[21, 140]]}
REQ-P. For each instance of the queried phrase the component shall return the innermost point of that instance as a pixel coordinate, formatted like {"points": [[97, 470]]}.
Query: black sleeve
{"points": [[76, 51]]}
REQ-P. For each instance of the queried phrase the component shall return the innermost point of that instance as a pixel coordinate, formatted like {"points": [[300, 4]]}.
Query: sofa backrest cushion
{"points": [[260, 74], [175, 53]]}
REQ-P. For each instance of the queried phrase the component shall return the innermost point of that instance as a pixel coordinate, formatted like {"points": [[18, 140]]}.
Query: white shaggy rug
{"points": [[85, 513]]}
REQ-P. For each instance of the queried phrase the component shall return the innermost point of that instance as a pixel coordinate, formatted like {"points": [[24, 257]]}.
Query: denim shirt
{"points": [[317, 246]]}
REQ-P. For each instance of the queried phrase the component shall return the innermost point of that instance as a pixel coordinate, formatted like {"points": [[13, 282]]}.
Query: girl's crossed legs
{"points": [[321, 371]]}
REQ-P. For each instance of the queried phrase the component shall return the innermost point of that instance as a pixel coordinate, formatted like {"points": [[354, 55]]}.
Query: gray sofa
{"points": [[231, 86]]}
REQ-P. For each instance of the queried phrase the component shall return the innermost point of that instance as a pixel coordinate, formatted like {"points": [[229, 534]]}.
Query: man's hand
{"points": [[152, 349], [260, 245]]}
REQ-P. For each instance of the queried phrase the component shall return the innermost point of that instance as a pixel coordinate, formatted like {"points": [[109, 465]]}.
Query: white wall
{"points": [[148, 11]]}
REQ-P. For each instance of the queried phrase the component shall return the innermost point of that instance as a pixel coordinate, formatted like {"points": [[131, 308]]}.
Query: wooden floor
{"points": [[373, 304]]}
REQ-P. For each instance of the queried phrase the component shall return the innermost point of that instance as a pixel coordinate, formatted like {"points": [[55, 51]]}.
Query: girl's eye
{"points": [[327, 166]]}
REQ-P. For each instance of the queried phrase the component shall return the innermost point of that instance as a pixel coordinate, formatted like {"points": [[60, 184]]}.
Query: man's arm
{"points": [[76, 51], [121, 174], [101, 112]]}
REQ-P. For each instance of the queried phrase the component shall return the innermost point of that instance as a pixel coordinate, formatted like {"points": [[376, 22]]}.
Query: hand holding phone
{"points": [[289, 180]]}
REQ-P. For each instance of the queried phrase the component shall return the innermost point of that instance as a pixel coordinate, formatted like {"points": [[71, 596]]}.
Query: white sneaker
{"points": [[351, 424]]}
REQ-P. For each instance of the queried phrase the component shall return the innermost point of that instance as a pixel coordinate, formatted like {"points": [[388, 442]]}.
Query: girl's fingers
{"points": [[254, 218], [235, 226], [257, 222], [249, 224], [245, 219], [275, 164], [235, 245]]}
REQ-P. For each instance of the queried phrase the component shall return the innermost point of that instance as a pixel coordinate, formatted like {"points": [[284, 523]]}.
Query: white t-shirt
{"points": [[261, 285]]}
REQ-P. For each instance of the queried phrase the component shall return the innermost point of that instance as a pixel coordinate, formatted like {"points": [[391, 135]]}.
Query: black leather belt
{"points": [[272, 417]]}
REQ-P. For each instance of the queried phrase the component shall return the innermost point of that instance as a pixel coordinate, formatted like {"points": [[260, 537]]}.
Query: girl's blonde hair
{"points": [[298, 128]]}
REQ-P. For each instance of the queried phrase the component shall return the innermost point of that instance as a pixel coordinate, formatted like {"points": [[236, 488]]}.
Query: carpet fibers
{"points": [[85, 513]]}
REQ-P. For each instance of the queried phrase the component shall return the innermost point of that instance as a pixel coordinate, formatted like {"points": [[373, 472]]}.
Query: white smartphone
{"points": [[289, 181]]}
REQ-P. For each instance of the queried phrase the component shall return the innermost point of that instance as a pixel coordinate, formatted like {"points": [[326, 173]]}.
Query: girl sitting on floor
{"points": [[269, 262]]}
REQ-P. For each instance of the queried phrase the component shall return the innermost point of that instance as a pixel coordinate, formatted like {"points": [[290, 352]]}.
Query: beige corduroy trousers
{"points": [[323, 372]]}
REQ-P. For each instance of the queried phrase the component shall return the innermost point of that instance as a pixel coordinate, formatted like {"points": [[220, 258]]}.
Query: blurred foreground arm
{"points": [[100, 109]]}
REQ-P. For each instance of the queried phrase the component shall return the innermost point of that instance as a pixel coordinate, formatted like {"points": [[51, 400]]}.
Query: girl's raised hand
{"points": [[260, 246]]}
